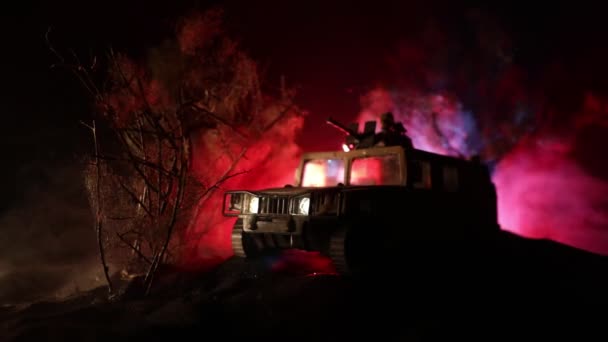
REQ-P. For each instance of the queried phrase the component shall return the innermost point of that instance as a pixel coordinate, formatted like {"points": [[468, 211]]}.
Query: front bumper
{"points": [[268, 224]]}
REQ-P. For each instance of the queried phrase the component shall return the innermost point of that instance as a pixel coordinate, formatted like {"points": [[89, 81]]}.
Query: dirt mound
{"points": [[515, 289]]}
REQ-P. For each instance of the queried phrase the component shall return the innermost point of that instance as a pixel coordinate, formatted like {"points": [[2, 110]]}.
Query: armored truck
{"points": [[366, 202]]}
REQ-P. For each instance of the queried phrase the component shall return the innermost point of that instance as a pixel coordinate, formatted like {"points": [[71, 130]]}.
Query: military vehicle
{"points": [[367, 202]]}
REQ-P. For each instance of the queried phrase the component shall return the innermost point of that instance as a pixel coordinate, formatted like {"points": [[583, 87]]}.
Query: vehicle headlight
{"points": [[301, 206], [304, 206], [254, 205], [236, 202], [233, 204]]}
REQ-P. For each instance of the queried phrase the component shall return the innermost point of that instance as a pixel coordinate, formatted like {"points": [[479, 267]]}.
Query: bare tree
{"points": [[153, 114]]}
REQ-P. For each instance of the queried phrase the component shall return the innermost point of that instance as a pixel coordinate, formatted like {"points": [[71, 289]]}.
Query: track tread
{"points": [[337, 251], [237, 240]]}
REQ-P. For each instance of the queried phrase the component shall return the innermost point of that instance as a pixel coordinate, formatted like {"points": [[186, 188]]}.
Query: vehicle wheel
{"points": [[347, 250], [243, 244]]}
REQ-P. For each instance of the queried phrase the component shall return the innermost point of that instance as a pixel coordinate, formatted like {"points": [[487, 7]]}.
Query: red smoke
{"points": [[269, 162]]}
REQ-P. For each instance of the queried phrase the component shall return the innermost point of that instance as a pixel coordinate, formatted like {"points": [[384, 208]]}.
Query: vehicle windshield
{"points": [[323, 172], [375, 170]]}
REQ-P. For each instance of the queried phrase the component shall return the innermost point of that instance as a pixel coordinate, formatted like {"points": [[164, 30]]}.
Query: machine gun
{"points": [[355, 139], [393, 136]]}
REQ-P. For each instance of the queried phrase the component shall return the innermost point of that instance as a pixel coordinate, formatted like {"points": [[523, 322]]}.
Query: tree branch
{"points": [[136, 166], [139, 161], [137, 251], [135, 198], [170, 227], [218, 119], [278, 118]]}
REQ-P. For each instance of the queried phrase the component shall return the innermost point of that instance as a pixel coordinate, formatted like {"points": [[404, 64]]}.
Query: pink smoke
{"points": [[543, 193], [542, 190], [417, 112]]}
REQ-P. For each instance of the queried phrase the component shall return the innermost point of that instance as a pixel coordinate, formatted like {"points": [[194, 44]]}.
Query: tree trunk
{"points": [[98, 211], [170, 226]]}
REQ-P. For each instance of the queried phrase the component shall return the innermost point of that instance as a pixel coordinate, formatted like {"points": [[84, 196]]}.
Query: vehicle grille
{"points": [[277, 205]]}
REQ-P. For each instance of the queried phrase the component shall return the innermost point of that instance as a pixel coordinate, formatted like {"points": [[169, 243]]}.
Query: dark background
{"points": [[335, 52]]}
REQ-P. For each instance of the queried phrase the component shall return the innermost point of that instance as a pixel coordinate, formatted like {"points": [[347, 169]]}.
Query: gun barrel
{"points": [[341, 127]]}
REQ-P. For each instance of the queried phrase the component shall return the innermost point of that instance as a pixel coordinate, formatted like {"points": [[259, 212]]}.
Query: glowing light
{"points": [[323, 172], [304, 206], [345, 148], [254, 205], [301, 262], [366, 171], [314, 175], [381, 170]]}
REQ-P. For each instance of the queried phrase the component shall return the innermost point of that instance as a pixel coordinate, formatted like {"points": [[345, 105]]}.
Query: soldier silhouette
{"points": [[392, 133]]}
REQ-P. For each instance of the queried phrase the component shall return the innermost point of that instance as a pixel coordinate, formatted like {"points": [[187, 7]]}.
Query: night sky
{"points": [[334, 53]]}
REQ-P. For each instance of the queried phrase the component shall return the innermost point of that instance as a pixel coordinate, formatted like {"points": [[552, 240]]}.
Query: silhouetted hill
{"points": [[505, 288]]}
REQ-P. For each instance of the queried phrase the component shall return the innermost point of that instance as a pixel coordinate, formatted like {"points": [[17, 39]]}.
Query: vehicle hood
{"points": [[296, 191], [287, 191]]}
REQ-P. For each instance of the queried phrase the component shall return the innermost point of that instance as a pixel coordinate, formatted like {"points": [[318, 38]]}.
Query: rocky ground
{"points": [[508, 289]]}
